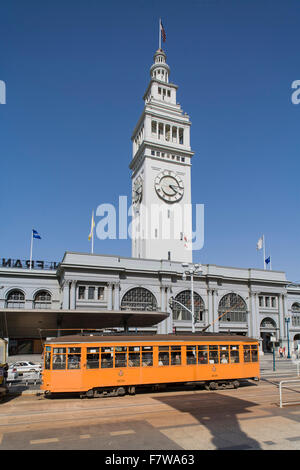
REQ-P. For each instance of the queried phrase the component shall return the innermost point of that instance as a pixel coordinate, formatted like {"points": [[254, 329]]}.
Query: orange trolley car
{"points": [[115, 365]]}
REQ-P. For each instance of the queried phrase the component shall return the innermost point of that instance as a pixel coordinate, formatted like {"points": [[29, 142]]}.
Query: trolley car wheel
{"points": [[236, 384], [131, 390], [211, 386], [120, 391]]}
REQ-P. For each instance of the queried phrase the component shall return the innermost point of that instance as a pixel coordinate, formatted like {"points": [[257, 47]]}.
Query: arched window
{"points": [[42, 299], [296, 307], [185, 299], [235, 306], [139, 298], [295, 314], [268, 323], [15, 299]]}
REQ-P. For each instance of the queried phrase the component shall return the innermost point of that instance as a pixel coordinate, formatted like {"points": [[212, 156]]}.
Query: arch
{"points": [[139, 298], [295, 311], [42, 299], [295, 307], [268, 323], [233, 308], [185, 298], [15, 298]]}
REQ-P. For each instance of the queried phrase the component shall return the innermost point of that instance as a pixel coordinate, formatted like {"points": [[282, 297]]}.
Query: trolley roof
{"points": [[207, 337]]}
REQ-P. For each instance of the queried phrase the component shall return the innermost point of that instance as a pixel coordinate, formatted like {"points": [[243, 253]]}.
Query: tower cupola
{"points": [[160, 69]]}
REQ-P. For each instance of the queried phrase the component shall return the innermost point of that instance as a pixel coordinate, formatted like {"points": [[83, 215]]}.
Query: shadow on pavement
{"points": [[219, 414]]}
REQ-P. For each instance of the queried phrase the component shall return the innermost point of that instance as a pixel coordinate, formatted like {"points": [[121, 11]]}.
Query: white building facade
{"points": [[148, 292], [85, 289]]}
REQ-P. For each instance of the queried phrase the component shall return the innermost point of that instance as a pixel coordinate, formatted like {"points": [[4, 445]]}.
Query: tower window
{"points": [[180, 135], [159, 90], [154, 127], [169, 93], [168, 132], [160, 130], [174, 134]]}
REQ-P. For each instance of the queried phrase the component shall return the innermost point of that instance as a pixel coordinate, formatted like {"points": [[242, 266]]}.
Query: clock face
{"points": [[137, 190], [169, 186]]}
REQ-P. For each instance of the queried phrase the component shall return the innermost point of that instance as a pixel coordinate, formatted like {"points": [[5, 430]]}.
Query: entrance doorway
{"points": [[267, 329]]}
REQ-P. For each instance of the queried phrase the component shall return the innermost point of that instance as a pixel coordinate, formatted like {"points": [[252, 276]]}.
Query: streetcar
{"points": [[112, 365]]}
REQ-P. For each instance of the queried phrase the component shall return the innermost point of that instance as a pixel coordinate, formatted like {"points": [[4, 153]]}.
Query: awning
{"points": [[27, 322]]}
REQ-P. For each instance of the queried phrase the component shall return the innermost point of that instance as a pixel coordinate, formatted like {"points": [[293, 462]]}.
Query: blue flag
{"points": [[268, 260], [35, 234]]}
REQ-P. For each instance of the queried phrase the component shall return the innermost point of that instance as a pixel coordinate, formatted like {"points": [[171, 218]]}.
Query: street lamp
{"points": [[191, 270], [287, 321]]}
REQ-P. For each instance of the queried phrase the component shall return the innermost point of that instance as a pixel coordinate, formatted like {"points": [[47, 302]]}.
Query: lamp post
{"points": [[287, 321], [191, 270]]}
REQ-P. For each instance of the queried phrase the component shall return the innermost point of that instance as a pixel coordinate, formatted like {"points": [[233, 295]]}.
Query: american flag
{"points": [[163, 33]]}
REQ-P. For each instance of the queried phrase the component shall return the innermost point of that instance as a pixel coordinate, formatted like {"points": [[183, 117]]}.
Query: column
{"points": [[209, 318], [254, 313], [66, 295], [281, 316], [216, 326], [162, 326], [109, 296], [117, 296], [169, 321], [73, 295]]}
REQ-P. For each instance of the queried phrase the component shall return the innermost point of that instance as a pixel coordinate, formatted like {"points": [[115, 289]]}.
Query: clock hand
{"points": [[174, 188]]}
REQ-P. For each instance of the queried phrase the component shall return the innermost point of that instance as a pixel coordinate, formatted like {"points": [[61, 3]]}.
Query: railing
{"points": [[282, 403]]}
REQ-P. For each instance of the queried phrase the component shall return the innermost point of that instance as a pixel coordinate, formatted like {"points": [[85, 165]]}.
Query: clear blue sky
{"points": [[76, 72]]}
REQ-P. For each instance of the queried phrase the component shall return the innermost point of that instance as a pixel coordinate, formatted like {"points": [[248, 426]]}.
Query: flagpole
{"points": [[264, 252], [159, 34], [31, 243], [93, 233]]}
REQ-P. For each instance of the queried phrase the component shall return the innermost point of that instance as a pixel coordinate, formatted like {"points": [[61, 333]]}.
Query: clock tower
{"points": [[161, 172]]}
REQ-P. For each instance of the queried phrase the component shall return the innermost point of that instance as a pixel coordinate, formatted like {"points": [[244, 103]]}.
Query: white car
{"points": [[23, 369]]}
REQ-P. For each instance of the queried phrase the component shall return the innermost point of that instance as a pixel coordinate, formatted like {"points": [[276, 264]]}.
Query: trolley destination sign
{"points": [[25, 264]]}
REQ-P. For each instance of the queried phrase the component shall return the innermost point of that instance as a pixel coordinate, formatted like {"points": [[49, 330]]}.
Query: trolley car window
{"points": [[254, 353], [107, 358], [247, 354], [92, 358], [121, 356], [134, 356], [163, 355], [59, 359], [202, 354], [147, 356], [191, 355], [213, 355], [234, 354], [74, 358], [47, 357], [175, 355], [224, 354]]}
